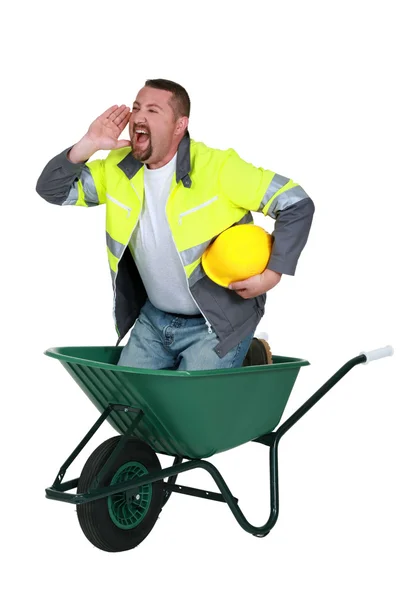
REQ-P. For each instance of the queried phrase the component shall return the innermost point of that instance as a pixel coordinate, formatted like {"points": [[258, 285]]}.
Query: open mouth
{"points": [[141, 135]]}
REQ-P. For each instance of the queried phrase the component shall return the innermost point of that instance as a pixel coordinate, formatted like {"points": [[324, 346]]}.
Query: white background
{"points": [[309, 90]]}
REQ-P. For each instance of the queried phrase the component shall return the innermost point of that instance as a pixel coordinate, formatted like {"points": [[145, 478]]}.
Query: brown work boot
{"points": [[259, 353]]}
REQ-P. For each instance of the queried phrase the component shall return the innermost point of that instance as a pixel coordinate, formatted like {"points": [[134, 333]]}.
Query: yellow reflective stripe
{"points": [[116, 248], [83, 192], [278, 182], [284, 189], [89, 187], [196, 273], [190, 268], [192, 254], [72, 197]]}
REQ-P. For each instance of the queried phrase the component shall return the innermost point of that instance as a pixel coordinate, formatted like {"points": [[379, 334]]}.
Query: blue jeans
{"points": [[160, 340]]}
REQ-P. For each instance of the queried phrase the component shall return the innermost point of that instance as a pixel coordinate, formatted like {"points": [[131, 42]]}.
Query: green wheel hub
{"points": [[127, 513]]}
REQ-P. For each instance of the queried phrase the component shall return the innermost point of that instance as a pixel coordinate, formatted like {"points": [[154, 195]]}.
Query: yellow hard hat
{"points": [[237, 254]]}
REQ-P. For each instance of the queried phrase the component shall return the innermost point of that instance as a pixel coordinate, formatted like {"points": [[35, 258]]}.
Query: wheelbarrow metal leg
{"points": [[232, 501], [171, 481], [80, 447], [273, 485], [57, 485], [118, 448]]}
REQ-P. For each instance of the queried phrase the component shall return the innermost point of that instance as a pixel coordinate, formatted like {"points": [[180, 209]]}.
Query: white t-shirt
{"points": [[154, 249]]}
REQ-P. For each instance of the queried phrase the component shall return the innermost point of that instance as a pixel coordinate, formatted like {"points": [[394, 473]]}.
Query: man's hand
{"points": [[257, 285], [102, 134]]}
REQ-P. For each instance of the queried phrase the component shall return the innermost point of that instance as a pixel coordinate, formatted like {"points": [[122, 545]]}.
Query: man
{"points": [[167, 198]]}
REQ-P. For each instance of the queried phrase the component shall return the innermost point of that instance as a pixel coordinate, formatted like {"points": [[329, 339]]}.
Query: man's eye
{"points": [[134, 108], [152, 110]]}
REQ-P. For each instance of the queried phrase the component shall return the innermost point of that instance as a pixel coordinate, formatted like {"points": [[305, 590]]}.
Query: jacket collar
{"points": [[130, 166]]}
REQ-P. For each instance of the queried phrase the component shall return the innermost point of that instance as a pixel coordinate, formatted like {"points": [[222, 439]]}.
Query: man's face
{"points": [[152, 126]]}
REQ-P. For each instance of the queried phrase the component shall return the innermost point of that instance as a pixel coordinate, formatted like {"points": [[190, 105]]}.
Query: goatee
{"points": [[142, 155]]}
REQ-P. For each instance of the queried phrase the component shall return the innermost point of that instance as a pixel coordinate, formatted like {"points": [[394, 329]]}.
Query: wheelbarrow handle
{"points": [[378, 353], [362, 358]]}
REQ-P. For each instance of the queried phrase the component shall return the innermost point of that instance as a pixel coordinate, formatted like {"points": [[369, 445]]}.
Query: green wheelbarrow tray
{"points": [[191, 414], [187, 415]]}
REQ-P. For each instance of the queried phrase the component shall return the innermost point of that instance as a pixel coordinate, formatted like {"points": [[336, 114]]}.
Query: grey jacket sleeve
{"points": [[290, 234], [58, 183]]}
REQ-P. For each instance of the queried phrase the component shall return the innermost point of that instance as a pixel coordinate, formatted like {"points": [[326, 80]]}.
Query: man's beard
{"points": [[142, 155]]}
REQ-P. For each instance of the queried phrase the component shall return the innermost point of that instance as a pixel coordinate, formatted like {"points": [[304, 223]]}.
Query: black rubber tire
{"points": [[94, 517]]}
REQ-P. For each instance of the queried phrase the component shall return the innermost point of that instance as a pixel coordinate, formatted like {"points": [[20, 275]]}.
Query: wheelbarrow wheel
{"points": [[120, 522]]}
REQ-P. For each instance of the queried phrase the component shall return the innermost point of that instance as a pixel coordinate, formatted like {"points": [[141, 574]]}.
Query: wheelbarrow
{"points": [[189, 416]]}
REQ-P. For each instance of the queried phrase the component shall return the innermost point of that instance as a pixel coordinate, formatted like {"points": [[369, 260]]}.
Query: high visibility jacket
{"points": [[212, 190]]}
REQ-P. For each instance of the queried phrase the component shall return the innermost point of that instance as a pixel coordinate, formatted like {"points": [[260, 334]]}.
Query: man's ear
{"points": [[181, 125]]}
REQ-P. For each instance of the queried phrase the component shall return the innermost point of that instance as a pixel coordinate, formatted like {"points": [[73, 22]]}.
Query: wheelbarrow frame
{"points": [[60, 489]]}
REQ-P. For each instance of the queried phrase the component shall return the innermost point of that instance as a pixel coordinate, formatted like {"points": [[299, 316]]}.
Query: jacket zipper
{"points": [[183, 267], [128, 209], [118, 203], [196, 208]]}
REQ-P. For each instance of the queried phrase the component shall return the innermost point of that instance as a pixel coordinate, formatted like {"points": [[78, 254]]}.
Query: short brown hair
{"points": [[180, 103]]}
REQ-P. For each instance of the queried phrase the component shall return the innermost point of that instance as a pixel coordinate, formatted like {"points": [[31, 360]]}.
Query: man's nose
{"points": [[138, 120]]}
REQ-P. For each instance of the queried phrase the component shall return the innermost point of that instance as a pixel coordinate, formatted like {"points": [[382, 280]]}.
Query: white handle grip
{"points": [[378, 353]]}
